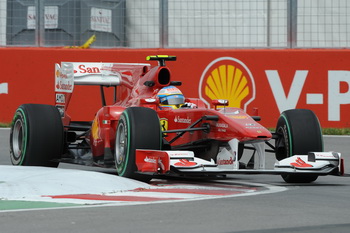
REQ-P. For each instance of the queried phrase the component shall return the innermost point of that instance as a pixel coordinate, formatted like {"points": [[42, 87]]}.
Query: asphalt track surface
{"points": [[322, 206]]}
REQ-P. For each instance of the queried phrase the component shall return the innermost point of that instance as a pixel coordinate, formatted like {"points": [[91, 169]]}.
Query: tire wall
{"points": [[269, 80]]}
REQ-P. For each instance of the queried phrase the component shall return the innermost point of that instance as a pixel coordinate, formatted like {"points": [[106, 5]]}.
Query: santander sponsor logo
{"points": [[178, 119], [85, 69], [225, 161], [150, 160], [64, 87]]}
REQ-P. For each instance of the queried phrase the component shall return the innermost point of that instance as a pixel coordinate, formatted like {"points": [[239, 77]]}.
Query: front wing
{"points": [[184, 162]]}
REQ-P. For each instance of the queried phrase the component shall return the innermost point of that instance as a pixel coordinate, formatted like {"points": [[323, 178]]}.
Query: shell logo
{"points": [[227, 78]]}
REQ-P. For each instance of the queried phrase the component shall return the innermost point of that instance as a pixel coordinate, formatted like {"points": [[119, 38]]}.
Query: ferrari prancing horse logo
{"points": [[164, 124]]}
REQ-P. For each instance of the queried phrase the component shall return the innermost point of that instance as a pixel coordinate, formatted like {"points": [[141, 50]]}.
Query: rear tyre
{"points": [[299, 132], [36, 136], [138, 128]]}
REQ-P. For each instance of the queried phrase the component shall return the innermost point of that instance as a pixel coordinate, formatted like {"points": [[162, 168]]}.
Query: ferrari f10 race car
{"points": [[142, 139]]}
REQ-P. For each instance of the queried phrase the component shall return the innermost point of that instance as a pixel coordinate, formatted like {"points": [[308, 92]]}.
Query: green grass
{"points": [[5, 125], [336, 131], [21, 205], [329, 131]]}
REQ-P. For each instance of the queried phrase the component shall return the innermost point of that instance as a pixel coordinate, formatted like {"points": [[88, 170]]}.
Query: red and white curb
{"points": [[156, 193], [94, 188]]}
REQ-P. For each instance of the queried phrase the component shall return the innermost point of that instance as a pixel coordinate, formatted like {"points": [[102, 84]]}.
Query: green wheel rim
{"points": [[289, 136], [123, 145], [19, 137]]}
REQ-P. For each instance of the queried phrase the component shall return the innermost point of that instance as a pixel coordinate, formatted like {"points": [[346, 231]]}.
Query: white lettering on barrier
{"points": [[284, 101], [50, 17], [4, 88], [335, 97], [101, 19], [314, 98]]}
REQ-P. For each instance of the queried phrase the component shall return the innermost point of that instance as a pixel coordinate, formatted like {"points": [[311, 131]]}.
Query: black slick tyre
{"points": [[138, 128], [36, 136], [299, 132]]}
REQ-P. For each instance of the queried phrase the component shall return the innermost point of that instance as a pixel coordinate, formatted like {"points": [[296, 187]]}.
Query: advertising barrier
{"points": [[263, 82]]}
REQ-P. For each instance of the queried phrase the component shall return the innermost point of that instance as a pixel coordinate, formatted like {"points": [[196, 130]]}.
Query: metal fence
{"points": [[176, 23]]}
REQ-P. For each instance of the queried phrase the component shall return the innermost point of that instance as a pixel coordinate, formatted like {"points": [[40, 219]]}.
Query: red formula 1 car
{"points": [[143, 138]]}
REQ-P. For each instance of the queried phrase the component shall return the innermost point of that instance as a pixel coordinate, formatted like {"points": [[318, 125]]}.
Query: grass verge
{"points": [[329, 131], [336, 131], [5, 125]]}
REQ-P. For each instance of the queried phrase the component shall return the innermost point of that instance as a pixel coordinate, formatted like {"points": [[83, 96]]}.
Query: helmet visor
{"points": [[173, 100]]}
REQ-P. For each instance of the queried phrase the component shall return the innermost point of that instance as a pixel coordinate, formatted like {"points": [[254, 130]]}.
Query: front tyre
{"points": [[36, 136], [138, 128], [299, 132]]}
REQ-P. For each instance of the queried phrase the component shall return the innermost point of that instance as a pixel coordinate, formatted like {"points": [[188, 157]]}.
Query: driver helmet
{"points": [[171, 97]]}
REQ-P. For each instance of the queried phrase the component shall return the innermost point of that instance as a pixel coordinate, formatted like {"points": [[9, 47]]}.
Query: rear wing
{"points": [[69, 74]]}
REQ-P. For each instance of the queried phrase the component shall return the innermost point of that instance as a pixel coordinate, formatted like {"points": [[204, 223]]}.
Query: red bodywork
{"points": [[139, 86]]}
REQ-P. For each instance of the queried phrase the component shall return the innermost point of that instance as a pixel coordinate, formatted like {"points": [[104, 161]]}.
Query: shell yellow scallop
{"points": [[227, 82]]}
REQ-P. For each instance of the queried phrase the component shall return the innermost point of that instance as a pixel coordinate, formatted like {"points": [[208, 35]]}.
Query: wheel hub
{"points": [[17, 139]]}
